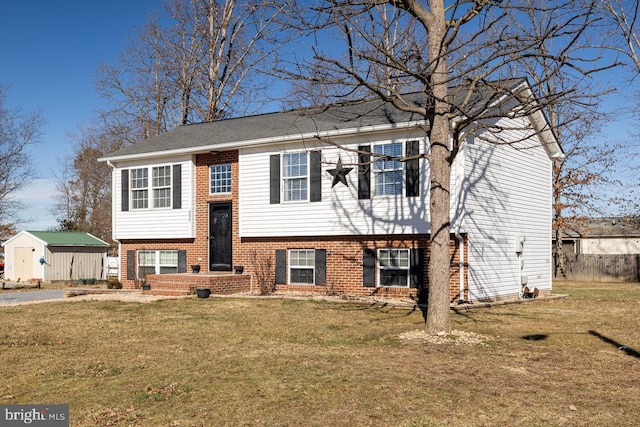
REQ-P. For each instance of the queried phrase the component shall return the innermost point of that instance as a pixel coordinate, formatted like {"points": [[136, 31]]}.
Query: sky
{"points": [[49, 53]]}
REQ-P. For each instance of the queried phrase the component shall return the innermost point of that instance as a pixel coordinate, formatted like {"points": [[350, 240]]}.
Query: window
{"points": [[146, 263], [157, 262], [294, 176], [393, 267], [167, 262], [161, 182], [301, 266], [220, 179], [388, 173], [155, 192], [139, 188]]}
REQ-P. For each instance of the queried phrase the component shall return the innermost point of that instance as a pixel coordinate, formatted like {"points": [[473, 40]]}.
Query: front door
{"points": [[220, 227]]}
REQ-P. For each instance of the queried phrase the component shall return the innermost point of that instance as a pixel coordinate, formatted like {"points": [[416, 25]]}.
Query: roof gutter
{"points": [[542, 126], [263, 141]]}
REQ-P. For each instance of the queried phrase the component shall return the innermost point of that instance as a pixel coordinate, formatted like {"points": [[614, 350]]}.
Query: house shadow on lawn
{"points": [[629, 351]]}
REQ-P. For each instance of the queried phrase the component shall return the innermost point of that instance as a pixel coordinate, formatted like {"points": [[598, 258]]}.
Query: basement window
{"points": [[302, 266], [393, 267], [157, 262]]}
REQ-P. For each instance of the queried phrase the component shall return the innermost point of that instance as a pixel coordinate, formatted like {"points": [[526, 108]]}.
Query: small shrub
{"points": [[262, 270], [114, 283]]}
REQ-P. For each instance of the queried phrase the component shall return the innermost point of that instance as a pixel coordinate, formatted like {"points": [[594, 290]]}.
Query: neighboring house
{"points": [[603, 236], [51, 256], [602, 250], [298, 199]]}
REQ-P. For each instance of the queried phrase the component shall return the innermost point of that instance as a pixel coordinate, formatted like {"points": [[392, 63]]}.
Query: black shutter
{"points": [[364, 172], [369, 268], [416, 268], [412, 169], [321, 267], [182, 261], [131, 265], [125, 190], [274, 179], [281, 266], [177, 186], [315, 172]]}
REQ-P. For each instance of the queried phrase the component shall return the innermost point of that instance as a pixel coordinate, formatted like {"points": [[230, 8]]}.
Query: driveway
{"points": [[12, 298]]}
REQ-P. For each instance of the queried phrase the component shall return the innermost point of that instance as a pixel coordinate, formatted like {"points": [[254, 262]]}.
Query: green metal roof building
{"points": [[53, 256]]}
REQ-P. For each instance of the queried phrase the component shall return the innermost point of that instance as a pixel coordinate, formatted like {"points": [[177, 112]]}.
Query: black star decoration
{"points": [[339, 174]]}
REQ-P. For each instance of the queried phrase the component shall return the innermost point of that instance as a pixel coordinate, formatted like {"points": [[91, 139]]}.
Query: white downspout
{"points": [[520, 240], [461, 263], [519, 279], [113, 219], [459, 190]]}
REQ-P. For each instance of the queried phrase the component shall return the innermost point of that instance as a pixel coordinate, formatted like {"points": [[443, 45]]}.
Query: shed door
{"points": [[23, 263]]}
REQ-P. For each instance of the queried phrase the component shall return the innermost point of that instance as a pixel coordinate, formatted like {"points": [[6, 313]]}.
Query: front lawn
{"points": [[195, 362]]}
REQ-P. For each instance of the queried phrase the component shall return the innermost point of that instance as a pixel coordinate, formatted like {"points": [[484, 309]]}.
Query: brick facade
{"points": [[344, 254]]}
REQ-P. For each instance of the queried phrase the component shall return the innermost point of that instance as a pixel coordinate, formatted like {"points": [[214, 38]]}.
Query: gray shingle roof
{"points": [[295, 123], [604, 227]]}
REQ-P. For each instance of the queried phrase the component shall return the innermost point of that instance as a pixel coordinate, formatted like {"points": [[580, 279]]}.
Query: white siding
{"points": [[340, 212], [28, 246], [156, 223], [610, 246], [506, 194]]}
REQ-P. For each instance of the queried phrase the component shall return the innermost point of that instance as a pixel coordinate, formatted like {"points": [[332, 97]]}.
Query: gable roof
{"points": [[64, 238], [607, 227], [295, 125]]}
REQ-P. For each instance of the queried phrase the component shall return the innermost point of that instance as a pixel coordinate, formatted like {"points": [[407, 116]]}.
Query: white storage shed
{"points": [[51, 256]]}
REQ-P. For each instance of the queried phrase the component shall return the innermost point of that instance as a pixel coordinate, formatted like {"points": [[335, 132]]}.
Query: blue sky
{"points": [[49, 52]]}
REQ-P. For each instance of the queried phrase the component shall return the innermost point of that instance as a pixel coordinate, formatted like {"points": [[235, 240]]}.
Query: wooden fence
{"points": [[603, 268]]}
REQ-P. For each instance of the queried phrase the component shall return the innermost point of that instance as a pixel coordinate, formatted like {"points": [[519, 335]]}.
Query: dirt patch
{"points": [[454, 338], [120, 296]]}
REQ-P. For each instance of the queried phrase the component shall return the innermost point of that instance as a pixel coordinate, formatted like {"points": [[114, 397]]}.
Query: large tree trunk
{"points": [[439, 260], [440, 168]]}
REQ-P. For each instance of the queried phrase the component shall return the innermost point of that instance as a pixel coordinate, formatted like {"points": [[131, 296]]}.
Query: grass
{"points": [[259, 362]]}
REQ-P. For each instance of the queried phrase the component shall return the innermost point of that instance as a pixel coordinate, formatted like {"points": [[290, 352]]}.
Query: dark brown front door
{"points": [[220, 226]]}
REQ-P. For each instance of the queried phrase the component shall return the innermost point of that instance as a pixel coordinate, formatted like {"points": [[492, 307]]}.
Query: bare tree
{"points": [[622, 34], [449, 50], [576, 119], [17, 131], [202, 67], [84, 188], [625, 28], [139, 88]]}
